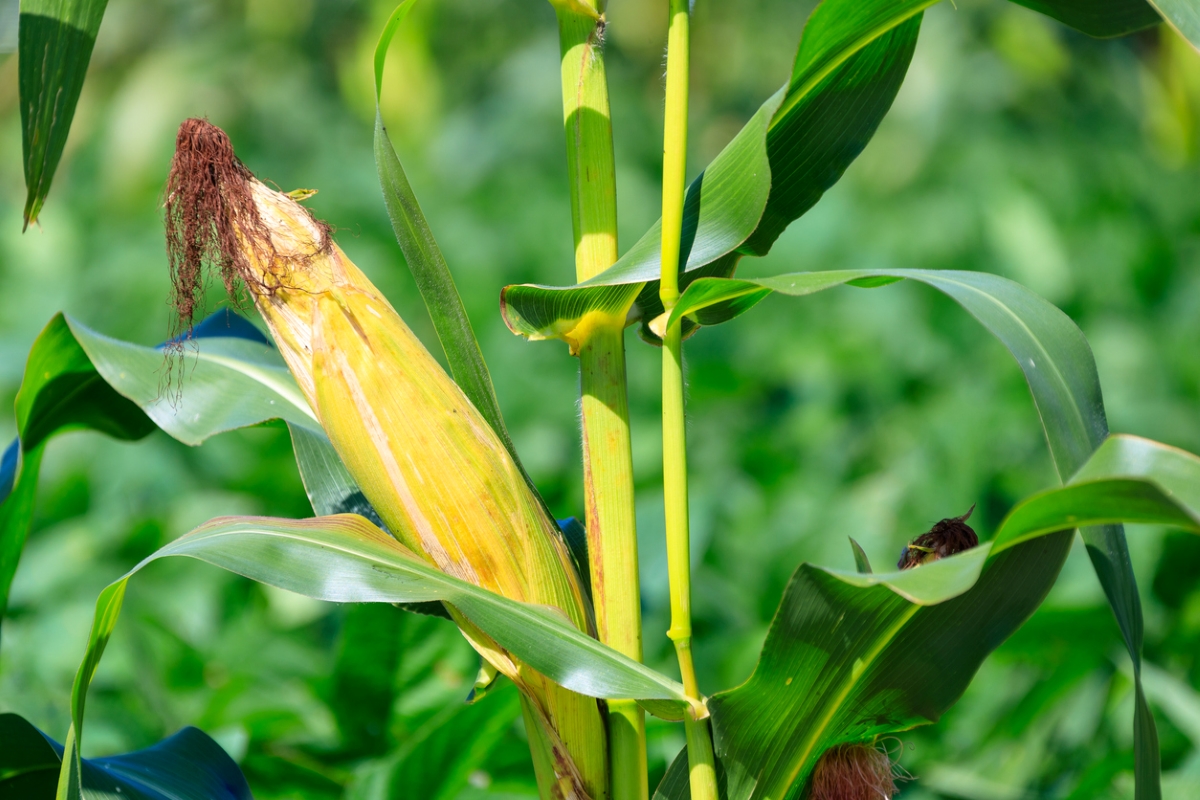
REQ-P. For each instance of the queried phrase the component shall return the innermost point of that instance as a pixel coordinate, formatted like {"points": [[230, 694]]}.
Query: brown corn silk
{"points": [[432, 467], [853, 772]]}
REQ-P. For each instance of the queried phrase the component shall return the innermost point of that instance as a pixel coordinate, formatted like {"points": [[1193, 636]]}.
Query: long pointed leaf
{"points": [[850, 656], [76, 378], [1061, 373], [425, 260], [55, 41], [851, 62]]}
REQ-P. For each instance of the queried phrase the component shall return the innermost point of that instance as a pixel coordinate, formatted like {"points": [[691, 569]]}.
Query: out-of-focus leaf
{"points": [[346, 559], [845, 661], [440, 758], [364, 677], [1061, 373], [852, 59], [186, 766], [861, 562], [55, 41], [76, 378], [426, 263], [1100, 18]]}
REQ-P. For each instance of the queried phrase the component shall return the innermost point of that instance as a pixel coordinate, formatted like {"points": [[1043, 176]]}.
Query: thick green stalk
{"points": [[607, 455], [701, 763]]}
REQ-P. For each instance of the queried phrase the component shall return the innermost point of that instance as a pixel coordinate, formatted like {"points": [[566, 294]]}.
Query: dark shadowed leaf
{"points": [[186, 766], [438, 761], [1099, 18]]}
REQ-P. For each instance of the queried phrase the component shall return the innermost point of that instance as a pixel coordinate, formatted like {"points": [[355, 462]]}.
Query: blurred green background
{"points": [[1016, 146]]}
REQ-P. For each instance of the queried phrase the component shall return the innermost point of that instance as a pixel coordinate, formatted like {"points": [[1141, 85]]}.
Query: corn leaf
{"points": [[426, 263], [438, 763], [1183, 16], [186, 766], [1100, 18], [852, 59], [346, 559], [1061, 373], [78, 379], [55, 41], [850, 656]]}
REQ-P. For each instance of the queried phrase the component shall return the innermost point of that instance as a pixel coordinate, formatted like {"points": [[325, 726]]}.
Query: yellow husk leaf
{"points": [[432, 467]]}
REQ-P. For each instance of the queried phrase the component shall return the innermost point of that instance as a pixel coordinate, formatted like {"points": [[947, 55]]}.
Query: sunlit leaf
{"points": [[1060, 370], [850, 656], [78, 379], [346, 559], [852, 59]]}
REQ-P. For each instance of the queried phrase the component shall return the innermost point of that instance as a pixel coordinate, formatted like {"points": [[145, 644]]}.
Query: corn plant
{"points": [[421, 498]]}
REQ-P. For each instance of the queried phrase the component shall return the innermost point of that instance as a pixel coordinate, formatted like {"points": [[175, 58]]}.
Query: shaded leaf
{"points": [[55, 40], [437, 763], [1100, 18], [426, 263], [186, 766]]}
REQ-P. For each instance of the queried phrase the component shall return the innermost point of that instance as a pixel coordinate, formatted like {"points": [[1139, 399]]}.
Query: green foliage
{"points": [[908, 413], [56, 40], [186, 766]]}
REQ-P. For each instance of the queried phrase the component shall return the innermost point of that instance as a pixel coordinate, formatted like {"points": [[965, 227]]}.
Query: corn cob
{"points": [[436, 472]]}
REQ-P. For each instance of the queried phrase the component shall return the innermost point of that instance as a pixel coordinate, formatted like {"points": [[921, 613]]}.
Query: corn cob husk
{"points": [[438, 475]]}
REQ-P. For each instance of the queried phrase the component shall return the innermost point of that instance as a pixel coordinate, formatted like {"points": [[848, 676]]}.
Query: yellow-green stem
{"points": [[607, 454], [701, 763]]}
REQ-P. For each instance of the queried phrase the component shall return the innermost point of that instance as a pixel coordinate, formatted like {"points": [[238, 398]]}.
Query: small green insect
{"points": [[946, 538]]}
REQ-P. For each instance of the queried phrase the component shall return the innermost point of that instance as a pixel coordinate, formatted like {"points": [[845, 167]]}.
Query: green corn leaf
{"points": [[186, 766], [1060, 370], [426, 263], [55, 41], [346, 559], [77, 379], [852, 59], [1100, 18], [438, 762], [1183, 16], [1061, 373], [851, 656]]}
